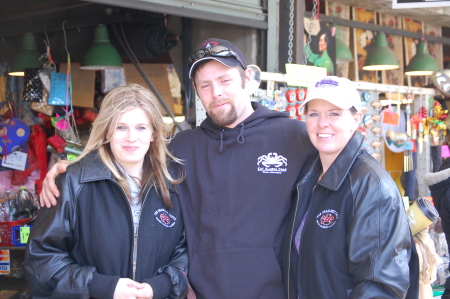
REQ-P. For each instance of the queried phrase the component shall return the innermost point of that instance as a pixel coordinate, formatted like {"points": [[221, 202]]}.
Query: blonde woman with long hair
{"points": [[117, 231]]}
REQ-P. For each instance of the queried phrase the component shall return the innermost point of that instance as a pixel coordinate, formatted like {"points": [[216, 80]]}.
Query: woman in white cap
{"points": [[348, 236]]}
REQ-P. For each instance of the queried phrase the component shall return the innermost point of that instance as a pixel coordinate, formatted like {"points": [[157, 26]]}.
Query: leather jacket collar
{"points": [[337, 172], [94, 169]]}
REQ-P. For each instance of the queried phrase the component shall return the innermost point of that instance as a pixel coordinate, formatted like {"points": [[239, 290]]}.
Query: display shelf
{"points": [[11, 248]]}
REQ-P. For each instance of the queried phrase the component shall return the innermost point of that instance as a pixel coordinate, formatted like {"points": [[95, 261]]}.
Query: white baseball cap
{"points": [[339, 91]]}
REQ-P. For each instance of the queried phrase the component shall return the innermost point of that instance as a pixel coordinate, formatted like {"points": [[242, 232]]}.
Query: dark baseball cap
{"points": [[214, 48]]}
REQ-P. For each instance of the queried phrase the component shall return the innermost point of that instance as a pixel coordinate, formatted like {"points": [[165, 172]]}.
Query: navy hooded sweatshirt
{"points": [[235, 200]]}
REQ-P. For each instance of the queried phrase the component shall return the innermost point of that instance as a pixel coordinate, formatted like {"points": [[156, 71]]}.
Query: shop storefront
{"points": [[45, 116]]}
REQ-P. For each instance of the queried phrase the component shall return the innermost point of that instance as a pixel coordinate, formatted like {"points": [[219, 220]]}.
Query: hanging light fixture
{"points": [[343, 53], [380, 57], [28, 56], [422, 64], [101, 55]]}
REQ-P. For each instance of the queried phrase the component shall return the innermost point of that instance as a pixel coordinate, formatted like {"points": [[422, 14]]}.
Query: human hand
{"points": [[147, 291], [130, 289], [49, 190]]}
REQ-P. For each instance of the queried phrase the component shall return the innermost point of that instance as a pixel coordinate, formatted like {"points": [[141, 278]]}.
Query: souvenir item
{"points": [[59, 91], [376, 105], [32, 86], [300, 94], [43, 106], [399, 139], [376, 145], [113, 78], [367, 120], [363, 107], [290, 96], [366, 96], [13, 131], [376, 131], [363, 131], [57, 143], [390, 137], [376, 119], [291, 109]]}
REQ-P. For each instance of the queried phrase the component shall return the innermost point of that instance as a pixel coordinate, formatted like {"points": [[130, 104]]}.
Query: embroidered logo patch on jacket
{"points": [[165, 218], [272, 163], [327, 218]]}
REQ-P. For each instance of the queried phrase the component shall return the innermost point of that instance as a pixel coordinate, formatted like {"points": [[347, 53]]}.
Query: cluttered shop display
{"points": [[36, 118]]}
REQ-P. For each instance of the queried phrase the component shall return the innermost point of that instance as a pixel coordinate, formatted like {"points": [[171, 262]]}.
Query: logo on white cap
{"points": [[327, 82]]}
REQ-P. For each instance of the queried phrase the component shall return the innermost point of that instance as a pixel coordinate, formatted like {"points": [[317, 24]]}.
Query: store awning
{"points": [[250, 13]]}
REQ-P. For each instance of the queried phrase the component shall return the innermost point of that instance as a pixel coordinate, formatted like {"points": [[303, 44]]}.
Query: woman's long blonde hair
{"points": [[155, 171]]}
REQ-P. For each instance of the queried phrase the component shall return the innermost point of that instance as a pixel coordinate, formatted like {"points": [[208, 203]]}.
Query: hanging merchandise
{"points": [[13, 131], [32, 86], [44, 75], [59, 94], [370, 125], [65, 126]]}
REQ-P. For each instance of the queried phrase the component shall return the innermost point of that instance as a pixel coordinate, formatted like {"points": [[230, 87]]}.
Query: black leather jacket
{"points": [[82, 246], [356, 241]]}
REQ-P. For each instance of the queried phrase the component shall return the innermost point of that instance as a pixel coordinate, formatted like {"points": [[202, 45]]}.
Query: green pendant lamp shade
{"points": [[380, 57], [28, 57], [343, 53], [101, 55], [422, 64]]}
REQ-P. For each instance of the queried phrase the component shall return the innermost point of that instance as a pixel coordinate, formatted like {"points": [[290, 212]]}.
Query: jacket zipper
{"points": [[290, 245], [134, 238]]}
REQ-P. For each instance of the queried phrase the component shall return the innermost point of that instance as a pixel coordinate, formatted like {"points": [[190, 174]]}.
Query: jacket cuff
{"points": [[161, 285], [103, 286]]}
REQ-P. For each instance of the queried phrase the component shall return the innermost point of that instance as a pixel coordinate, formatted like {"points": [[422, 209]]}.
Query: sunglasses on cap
{"points": [[217, 51]]}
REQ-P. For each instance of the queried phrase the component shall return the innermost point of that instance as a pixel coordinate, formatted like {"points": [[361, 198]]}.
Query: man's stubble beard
{"points": [[224, 119]]}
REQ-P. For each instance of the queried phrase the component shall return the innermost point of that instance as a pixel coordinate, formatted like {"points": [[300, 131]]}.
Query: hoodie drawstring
{"points": [[240, 138], [221, 141]]}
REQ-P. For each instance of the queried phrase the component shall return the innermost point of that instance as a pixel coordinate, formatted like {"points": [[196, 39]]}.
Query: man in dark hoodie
{"points": [[439, 184], [241, 165]]}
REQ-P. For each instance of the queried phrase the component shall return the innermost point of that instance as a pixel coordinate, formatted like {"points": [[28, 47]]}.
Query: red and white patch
{"points": [[165, 218], [327, 218]]}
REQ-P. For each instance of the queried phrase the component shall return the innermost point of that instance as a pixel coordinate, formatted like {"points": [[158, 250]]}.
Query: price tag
{"points": [[71, 157], [24, 234], [15, 160], [303, 75]]}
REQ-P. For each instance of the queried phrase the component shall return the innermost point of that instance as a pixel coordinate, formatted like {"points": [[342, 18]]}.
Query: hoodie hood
{"points": [[259, 115]]}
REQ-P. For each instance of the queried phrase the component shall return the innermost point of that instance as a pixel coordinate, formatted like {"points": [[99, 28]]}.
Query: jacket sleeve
{"points": [[51, 272], [379, 241], [173, 274]]}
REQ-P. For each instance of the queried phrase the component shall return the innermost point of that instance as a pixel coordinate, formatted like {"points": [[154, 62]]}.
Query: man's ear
{"points": [[248, 75]]}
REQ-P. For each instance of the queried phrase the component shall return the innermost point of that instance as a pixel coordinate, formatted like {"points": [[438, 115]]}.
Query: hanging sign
{"points": [[303, 75]]}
